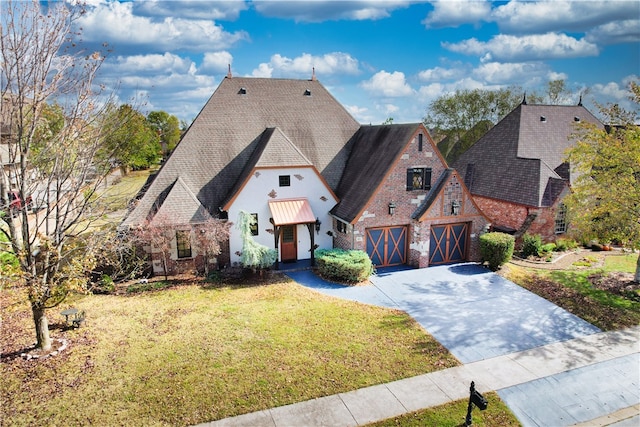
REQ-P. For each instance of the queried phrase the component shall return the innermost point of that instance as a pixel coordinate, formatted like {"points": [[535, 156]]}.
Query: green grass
{"points": [[192, 354], [118, 195], [574, 290], [621, 263], [453, 415]]}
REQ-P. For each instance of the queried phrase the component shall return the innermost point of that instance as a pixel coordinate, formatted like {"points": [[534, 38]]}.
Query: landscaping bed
{"points": [[596, 286]]}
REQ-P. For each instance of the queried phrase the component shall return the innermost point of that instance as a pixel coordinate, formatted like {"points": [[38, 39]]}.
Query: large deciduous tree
{"points": [[52, 132], [605, 199], [167, 127], [137, 141], [462, 117]]}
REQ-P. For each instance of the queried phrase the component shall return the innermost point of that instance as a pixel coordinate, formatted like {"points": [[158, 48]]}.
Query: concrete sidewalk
{"points": [[599, 373]]}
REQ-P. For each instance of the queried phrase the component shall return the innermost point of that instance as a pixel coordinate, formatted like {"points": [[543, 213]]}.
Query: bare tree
{"points": [[51, 138], [208, 237], [158, 234]]}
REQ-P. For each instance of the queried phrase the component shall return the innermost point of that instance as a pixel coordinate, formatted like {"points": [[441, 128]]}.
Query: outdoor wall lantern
{"points": [[392, 208], [318, 224], [455, 207]]}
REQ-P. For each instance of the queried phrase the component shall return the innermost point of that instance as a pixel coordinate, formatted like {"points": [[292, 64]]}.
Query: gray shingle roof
{"points": [[215, 150], [374, 151], [520, 160]]}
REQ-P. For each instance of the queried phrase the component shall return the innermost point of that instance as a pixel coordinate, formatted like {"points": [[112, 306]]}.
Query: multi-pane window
{"points": [[418, 179], [341, 226], [285, 180], [183, 243], [254, 224], [561, 219]]}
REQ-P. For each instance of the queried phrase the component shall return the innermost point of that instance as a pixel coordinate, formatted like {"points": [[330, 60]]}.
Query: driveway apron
{"points": [[475, 313]]}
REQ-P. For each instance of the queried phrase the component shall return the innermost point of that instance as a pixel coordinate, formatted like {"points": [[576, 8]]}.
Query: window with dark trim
{"points": [[285, 180], [183, 243], [418, 179], [342, 227], [254, 226], [561, 219]]}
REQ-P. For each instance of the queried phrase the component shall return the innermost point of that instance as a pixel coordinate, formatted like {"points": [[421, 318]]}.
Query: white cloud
{"points": [[439, 73], [149, 64], [610, 90], [323, 10], [116, 24], [525, 48], [216, 62], [391, 108], [223, 10], [387, 84], [263, 70], [616, 32], [510, 73], [455, 13], [327, 64], [554, 15]]}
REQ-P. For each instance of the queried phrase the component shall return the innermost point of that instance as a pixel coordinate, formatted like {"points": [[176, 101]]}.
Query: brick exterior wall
{"points": [[511, 215], [393, 189]]}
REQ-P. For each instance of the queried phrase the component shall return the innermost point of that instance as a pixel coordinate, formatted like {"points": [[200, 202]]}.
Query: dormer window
{"points": [[576, 119], [307, 92], [543, 119], [243, 91]]}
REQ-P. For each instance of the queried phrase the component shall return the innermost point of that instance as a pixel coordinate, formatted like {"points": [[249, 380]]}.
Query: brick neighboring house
{"points": [[288, 153], [516, 172]]}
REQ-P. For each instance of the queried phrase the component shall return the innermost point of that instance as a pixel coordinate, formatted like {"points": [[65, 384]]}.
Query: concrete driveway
{"points": [[475, 313]]}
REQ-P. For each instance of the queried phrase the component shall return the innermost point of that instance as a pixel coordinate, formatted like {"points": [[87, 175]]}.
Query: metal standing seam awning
{"points": [[291, 211]]}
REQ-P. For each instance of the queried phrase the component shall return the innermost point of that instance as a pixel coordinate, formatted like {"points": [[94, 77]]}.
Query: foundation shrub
{"points": [[531, 245], [496, 248], [340, 265]]}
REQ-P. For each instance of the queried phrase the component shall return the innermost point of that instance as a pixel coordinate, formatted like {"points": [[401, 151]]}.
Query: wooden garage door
{"points": [[386, 246], [448, 243]]}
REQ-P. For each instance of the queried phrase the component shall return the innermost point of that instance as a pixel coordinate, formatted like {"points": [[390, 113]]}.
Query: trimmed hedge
{"points": [[496, 248], [343, 266], [531, 245]]}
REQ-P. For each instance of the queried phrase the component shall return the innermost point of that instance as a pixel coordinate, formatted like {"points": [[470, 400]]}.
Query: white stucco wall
{"points": [[262, 187]]}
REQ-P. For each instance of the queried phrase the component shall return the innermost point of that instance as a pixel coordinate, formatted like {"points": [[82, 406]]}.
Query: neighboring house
{"points": [[517, 173], [288, 153]]}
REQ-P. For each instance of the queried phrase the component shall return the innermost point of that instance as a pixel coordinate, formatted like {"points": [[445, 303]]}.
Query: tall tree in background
{"points": [[53, 132], [168, 129], [138, 143], [605, 199], [462, 117]]}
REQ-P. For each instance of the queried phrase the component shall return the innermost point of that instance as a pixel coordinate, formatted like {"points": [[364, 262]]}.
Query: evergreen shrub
{"points": [[343, 266], [531, 245], [496, 248]]}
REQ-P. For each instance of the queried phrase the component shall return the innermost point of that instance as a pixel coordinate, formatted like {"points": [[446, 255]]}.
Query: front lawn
{"points": [[604, 296], [453, 415], [197, 353]]}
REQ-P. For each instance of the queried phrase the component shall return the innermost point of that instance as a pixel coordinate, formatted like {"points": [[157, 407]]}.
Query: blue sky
{"points": [[380, 58]]}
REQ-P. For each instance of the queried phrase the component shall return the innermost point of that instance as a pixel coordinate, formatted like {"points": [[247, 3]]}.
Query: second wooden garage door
{"points": [[386, 246], [448, 243]]}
